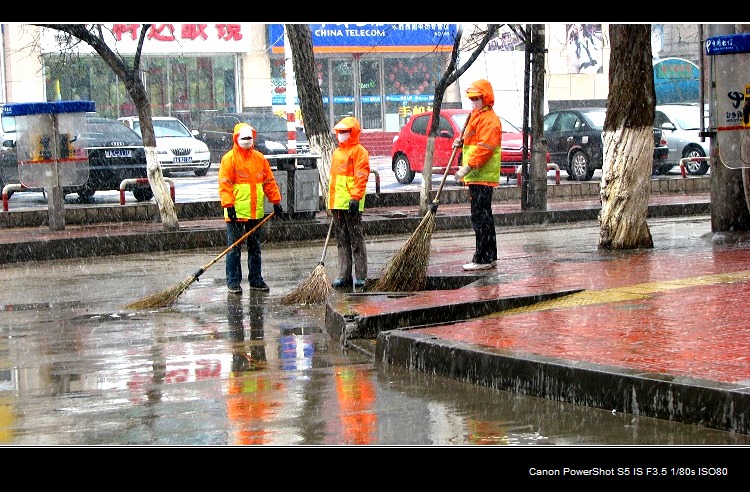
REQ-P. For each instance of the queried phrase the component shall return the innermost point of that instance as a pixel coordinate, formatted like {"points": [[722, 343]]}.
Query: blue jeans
{"points": [[236, 230]]}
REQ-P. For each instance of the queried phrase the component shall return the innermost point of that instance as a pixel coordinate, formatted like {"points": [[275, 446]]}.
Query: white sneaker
{"points": [[478, 266]]}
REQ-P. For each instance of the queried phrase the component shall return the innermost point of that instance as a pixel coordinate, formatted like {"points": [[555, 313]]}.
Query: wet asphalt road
{"points": [[223, 370]]}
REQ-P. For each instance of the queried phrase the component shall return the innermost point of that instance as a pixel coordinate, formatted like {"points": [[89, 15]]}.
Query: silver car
{"points": [[681, 126], [176, 147]]}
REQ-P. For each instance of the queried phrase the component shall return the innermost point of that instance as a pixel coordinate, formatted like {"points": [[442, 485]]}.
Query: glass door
{"points": [[370, 97], [342, 89]]}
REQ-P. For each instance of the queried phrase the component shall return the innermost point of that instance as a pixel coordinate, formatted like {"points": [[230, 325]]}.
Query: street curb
{"points": [[113, 239], [686, 400]]}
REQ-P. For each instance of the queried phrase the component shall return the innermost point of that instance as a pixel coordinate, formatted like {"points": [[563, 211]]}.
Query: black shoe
{"points": [[359, 283], [259, 285], [234, 289], [340, 283]]}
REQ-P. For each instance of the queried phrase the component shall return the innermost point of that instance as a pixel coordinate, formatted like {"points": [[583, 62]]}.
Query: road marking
{"points": [[628, 293]]}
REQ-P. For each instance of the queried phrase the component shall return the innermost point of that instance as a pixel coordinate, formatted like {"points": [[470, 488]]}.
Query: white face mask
{"points": [[343, 137], [245, 144], [477, 104]]}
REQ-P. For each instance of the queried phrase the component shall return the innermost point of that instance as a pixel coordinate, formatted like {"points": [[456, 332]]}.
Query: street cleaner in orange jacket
{"points": [[245, 179], [480, 170], [350, 170]]}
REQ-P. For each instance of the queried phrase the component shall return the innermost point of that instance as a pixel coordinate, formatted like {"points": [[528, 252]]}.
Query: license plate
{"points": [[118, 153], [183, 160]]}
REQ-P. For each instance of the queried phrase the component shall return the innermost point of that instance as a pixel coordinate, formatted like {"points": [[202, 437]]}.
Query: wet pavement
{"points": [[225, 370], [78, 369]]}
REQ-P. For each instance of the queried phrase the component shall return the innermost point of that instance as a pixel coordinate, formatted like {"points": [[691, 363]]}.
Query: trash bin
{"points": [[298, 178]]}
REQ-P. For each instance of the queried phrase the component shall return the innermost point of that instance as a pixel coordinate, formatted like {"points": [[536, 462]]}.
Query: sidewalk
{"points": [[655, 332]]}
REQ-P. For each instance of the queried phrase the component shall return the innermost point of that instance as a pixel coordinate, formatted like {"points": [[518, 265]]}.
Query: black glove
{"points": [[232, 214], [353, 206], [432, 207], [277, 211]]}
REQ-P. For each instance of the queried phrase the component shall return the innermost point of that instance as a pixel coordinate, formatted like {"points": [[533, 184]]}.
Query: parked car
{"points": [[272, 135], [681, 125], [176, 147], [115, 153], [408, 148], [574, 141]]}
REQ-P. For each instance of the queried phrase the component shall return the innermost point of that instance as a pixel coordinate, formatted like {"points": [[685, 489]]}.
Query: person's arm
{"points": [[361, 173]]}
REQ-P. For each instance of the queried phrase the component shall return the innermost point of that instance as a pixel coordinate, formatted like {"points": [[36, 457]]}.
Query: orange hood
{"points": [[485, 88]]}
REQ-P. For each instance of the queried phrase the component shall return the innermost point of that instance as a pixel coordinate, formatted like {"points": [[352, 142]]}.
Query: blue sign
{"points": [[345, 38], [730, 43], [676, 81]]}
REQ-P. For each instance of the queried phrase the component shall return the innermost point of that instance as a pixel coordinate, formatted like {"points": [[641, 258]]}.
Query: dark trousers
{"points": [[235, 230], [350, 238], [483, 224]]}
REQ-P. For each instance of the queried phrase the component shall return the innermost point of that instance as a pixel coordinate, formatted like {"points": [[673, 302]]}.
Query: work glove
{"points": [[462, 171], [277, 211], [432, 207], [458, 143], [232, 214], [353, 206]]}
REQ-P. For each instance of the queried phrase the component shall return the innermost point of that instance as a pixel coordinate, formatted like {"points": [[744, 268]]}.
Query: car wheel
{"points": [[695, 168], [201, 172], [402, 170], [579, 166], [86, 192], [143, 194]]}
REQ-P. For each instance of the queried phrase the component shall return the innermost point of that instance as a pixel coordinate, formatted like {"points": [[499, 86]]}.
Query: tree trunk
{"points": [[628, 140], [311, 101]]}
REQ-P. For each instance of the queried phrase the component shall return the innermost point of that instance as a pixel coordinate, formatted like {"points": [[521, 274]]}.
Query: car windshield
{"points": [[687, 117], [267, 123], [596, 118], [165, 128], [99, 128], [9, 123]]}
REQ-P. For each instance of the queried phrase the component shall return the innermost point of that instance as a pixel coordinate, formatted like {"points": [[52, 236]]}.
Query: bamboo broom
{"points": [[317, 287], [168, 297], [407, 269]]}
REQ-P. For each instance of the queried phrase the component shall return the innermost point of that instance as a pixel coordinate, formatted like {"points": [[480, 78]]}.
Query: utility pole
{"points": [[534, 185]]}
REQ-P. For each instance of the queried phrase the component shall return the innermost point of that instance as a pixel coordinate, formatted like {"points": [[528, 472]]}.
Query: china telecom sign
{"points": [[372, 38]]}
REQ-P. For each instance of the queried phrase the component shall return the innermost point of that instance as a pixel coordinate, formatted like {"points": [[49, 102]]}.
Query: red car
{"points": [[408, 150]]}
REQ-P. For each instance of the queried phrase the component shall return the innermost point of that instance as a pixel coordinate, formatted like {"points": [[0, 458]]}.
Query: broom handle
{"points": [[325, 245], [450, 161], [221, 255]]}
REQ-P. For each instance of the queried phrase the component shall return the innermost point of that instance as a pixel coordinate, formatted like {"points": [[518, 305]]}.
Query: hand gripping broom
{"points": [[169, 296], [407, 269], [317, 287]]}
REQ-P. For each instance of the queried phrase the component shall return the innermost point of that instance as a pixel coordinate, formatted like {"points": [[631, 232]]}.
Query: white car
{"points": [[681, 126], [177, 148]]}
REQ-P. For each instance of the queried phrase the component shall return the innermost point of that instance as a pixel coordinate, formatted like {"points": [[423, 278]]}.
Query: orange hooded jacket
{"points": [[350, 169], [245, 179], [483, 139]]}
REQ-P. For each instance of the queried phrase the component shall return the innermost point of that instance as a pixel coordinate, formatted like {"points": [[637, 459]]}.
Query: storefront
{"points": [[190, 71], [379, 73]]}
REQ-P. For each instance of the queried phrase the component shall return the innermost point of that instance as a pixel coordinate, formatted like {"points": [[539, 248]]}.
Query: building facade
{"points": [[380, 73]]}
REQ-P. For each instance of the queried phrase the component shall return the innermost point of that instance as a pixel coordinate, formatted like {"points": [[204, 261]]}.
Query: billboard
{"points": [[372, 38]]}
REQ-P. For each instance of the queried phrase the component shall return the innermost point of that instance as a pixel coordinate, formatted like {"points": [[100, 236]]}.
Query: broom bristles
{"points": [[314, 290], [407, 269], [162, 299]]}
